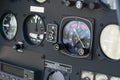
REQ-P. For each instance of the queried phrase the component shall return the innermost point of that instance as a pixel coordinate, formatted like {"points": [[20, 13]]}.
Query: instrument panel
{"points": [[62, 39]]}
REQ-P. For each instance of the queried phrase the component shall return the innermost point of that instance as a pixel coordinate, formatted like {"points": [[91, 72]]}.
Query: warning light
{"points": [[74, 25], [83, 26]]}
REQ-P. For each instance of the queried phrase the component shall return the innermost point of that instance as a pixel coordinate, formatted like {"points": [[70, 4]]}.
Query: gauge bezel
{"points": [[1, 28], [26, 38], [102, 54], [39, 2], [89, 23]]}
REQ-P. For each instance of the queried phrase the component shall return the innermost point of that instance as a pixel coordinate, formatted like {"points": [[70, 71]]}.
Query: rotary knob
{"points": [[69, 3], [58, 46], [93, 5], [80, 4]]}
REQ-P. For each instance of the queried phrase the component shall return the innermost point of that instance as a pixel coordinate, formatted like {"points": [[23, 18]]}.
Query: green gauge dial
{"points": [[9, 26]]}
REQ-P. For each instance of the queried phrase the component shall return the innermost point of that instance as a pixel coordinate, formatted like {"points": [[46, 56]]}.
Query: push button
{"points": [[26, 76]]}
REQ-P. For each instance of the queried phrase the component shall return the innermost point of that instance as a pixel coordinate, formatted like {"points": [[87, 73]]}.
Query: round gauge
{"points": [[86, 75], [110, 41], [114, 78], [101, 77], [111, 4], [77, 38], [41, 1], [57, 75], [9, 26], [34, 29]]}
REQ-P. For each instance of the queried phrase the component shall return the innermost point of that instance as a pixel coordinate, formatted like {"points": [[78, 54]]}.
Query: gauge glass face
{"points": [[41, 1], [110, 41], [101, 77], [114, 78], [56, 76], [34, 29], [86, 75], [111, 4], [9, 26], [76, 37]]}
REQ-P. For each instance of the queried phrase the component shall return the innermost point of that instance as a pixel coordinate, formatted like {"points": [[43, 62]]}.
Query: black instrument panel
{"points": [[63, 31]]}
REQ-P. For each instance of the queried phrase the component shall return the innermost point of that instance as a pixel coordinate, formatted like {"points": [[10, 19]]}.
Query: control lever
{"points": [[19, 47]]}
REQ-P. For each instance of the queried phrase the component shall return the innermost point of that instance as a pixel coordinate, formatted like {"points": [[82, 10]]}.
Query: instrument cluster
{"points": [[76, 33]]}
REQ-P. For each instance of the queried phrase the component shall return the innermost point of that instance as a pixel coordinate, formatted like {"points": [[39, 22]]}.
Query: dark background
{"points": [[33, 56]]}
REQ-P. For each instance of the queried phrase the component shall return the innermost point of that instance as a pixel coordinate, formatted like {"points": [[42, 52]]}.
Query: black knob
{"points": [[93, 5], [19, 47], [69, 3], [51, 32], [58, 46]]}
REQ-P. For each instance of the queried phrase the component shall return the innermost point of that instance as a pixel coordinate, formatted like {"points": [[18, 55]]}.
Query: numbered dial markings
{"points": [[9, 26], [34, 29]]}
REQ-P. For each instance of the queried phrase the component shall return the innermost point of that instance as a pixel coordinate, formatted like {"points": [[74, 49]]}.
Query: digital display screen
{"points": [[12, 70]]}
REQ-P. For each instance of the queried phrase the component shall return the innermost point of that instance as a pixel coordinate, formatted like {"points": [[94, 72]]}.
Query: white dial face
{"points": [[101, 77], [56, 76], [110, 41], [87, 75], [41, 1], [114, 78]]}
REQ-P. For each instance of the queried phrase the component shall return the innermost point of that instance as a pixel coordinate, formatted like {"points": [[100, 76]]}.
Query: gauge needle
{"points": [[36, 25], [79, 38], [6, 25], [36, 21]]}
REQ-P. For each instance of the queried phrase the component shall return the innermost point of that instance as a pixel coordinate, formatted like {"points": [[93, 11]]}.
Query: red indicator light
{"points": [[74, 25], [83, 26]]}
